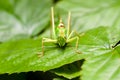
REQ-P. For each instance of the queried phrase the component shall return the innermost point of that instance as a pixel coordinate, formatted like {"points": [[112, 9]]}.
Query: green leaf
{"points": [[103, 67], [59, 79], [21, 56], [23, 18], [104, 62], [70, 70]]}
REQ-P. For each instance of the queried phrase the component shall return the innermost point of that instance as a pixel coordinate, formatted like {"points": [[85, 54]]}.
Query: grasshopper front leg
{"points": [[77, 42], [47, 40]]}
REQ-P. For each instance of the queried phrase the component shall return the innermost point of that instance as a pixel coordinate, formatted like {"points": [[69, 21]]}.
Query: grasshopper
{"points": [[61, 35]]}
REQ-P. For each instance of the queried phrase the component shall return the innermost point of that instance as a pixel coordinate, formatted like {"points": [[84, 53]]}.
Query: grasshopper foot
{"points": [[77, 51], [40, 54]]}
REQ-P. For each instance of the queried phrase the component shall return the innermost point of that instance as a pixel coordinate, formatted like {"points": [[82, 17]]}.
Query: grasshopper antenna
{"points": [[69, 20], [53, 23]]}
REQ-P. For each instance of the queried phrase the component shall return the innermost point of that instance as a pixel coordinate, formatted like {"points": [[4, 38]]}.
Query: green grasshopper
{"points": [[60, 34]]}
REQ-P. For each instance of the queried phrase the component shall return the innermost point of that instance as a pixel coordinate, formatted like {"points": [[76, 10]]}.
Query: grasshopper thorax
{"points": [[61, 34]]}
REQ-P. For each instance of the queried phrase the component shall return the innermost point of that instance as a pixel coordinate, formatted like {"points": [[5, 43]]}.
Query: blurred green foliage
{"points": [[24, 22]]}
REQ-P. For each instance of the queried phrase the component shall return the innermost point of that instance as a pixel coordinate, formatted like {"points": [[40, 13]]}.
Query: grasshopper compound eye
{"points": [[61, 25]]}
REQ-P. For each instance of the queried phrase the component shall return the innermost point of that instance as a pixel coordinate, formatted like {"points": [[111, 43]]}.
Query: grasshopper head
{"points": [[61, 25]]}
